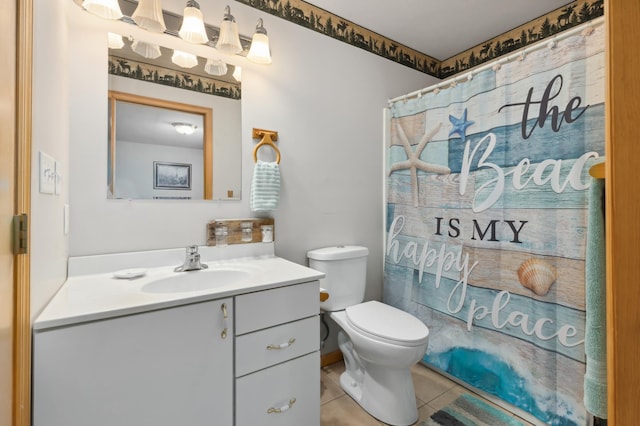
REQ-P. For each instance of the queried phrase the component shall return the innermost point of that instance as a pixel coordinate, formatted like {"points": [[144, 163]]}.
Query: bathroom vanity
{"points": [[235, 344]]}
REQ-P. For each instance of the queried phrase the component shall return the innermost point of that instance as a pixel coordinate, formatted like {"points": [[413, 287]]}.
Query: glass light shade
{"points": [[146, 49], [229, 39], [237, 74], [259, 51], [108, 9], [192, 29], [115, 41], [148, 15], [215, 67], [184, 128], [184, 59]]}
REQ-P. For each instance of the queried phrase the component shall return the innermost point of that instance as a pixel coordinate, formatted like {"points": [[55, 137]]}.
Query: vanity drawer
{"points": [[287, 394], [261, 349], [262, 309]]}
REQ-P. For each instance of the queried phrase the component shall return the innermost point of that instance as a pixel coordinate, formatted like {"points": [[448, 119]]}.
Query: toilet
{"points": [[379, 343]]}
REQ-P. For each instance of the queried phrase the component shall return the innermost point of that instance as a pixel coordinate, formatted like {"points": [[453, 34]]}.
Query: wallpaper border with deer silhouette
{"points": [[319, 20], [168, 77], [561, 19], [314, 18]]}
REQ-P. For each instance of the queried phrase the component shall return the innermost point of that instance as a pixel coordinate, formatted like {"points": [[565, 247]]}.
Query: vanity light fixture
{"points": [[184, 128], [146, 49], [184, 59], [192, 29], [148, 15], [107, 9], [229, 39], [215, 67], [237, 74], [115, 41], [260, 53]]}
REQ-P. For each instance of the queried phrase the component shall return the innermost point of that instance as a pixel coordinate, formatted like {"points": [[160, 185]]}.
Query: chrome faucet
{"points": [[192, 261]]}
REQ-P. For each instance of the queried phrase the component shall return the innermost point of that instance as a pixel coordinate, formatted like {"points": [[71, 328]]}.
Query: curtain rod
{"points": [[550, 43]]}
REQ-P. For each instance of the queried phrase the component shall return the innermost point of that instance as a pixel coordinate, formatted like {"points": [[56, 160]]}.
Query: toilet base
{"points": [[378, 375], [394, 403]]}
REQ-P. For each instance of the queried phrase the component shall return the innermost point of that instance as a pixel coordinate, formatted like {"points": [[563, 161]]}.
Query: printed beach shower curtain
{"points": [[487, 191]]}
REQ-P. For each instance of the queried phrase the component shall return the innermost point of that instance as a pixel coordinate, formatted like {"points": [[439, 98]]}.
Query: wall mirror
{"points": [[159, 149], [150, 101]]}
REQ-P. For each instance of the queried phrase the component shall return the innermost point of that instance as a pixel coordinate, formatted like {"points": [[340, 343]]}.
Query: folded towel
{"points": [[265, 186], [595, 337]]}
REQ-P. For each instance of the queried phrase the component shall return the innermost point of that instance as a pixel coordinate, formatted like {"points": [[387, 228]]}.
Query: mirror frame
{"points": [[207, 118]]}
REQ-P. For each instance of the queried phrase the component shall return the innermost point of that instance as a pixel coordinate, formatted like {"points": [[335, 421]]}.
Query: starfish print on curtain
{"points": [[413, 162], [460, 125]]}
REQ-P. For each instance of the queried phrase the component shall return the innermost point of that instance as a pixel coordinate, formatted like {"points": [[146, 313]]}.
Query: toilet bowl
{"points": [[379, 343]]}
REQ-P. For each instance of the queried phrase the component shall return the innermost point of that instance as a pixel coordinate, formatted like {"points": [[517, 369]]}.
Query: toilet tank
{"points": [[346, 272]]}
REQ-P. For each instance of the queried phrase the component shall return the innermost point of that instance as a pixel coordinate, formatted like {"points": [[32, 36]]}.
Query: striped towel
{"points": [[265, 186], [595, 334]]}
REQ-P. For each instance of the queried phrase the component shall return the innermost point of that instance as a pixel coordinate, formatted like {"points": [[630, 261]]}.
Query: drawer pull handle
{"points": [[283, 408], [282, 345], [224, 333], [224, 310]]}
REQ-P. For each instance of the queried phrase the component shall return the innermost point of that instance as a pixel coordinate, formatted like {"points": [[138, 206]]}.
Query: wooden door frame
{"points": [[22, 303], [623, 210]]}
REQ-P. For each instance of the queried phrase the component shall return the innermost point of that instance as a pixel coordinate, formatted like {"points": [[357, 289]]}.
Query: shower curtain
{"points": [[486, 190]]}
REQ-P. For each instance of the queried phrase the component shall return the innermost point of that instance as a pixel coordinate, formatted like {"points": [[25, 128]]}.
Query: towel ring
{"points": [[267, 139]]}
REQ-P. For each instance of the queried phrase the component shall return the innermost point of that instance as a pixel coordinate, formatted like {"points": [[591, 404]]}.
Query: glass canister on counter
{"points": [[267, 233], [221, 235], [247, 231]]}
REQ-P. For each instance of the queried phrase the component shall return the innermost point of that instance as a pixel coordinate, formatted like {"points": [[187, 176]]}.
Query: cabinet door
{"points": [[167, 367]]}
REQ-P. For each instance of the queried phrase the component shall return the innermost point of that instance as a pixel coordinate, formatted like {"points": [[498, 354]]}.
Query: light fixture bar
{"points": [[173, 23]]}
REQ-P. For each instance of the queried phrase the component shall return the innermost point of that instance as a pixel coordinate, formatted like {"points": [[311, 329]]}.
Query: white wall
{"points": [[325, 99], [50, 134]]}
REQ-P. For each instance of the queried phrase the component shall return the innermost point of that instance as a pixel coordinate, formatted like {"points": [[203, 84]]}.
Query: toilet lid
{"points": [[387, 323]]}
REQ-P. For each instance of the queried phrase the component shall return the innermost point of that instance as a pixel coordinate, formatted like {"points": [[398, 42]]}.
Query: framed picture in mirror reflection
{"points": [[171, 175]]}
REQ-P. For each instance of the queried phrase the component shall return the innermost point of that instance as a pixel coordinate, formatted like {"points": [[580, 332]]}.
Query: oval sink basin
{"points": [[205, 279]]}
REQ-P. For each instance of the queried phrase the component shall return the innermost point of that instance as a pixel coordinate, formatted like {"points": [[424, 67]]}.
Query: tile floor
{"points": [[433, 392]]}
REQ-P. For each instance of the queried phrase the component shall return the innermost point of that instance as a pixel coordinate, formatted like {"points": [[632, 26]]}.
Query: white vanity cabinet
{"points": [[170, 367], [277, 357], [244, 352]]}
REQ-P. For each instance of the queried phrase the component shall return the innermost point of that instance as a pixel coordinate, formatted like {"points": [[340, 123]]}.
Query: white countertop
{"points": [[92, 292]]}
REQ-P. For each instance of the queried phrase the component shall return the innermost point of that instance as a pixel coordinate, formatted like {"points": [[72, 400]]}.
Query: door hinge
{"points": [[20, 234]]}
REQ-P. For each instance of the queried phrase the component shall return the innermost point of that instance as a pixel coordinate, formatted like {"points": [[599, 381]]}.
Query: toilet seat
{"points": [[387, 324]]}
